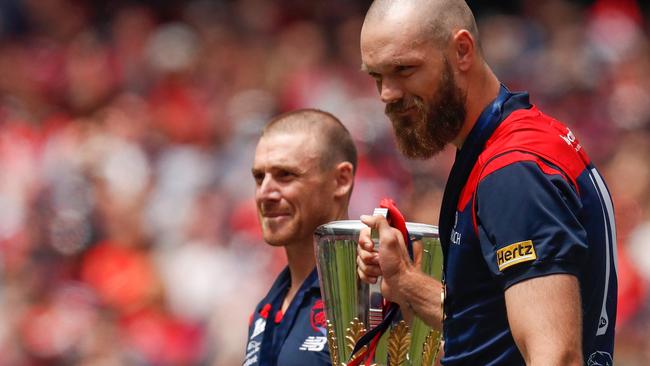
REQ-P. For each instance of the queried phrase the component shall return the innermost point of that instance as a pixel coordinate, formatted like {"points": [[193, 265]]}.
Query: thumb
{"points": [[388, 235]]}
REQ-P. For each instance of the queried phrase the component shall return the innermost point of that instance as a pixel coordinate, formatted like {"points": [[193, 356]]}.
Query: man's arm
{"points": [[401, 281], [546, 320]]}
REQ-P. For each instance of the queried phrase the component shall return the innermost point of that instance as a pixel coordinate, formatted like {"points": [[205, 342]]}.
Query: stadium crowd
{"points": [[128, 232]]}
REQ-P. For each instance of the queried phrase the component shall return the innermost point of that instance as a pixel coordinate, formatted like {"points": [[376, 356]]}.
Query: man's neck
{"points": [[301, 262], [479, 95]]}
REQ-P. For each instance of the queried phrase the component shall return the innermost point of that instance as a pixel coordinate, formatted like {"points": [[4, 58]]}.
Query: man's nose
{"points": [[390, 91], [268, 189]]}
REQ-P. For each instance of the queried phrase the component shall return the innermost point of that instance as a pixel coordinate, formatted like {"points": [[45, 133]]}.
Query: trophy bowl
{"points": [[347, 299]]}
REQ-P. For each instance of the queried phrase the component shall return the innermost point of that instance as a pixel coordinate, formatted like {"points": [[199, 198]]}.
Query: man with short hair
{"points": [[304, 171], [526, 223]]}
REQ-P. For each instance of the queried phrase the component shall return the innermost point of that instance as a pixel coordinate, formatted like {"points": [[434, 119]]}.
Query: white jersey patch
{"points": [[314, 344], [260, 324], [252, 351]]}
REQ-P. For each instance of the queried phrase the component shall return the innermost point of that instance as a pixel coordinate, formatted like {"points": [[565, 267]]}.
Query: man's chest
{"points": [[466, 273], [297, 338]]}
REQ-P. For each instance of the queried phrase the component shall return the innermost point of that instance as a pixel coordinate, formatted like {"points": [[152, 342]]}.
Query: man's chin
{"points": [[417, 150], [420, 155], [277, 236], [275, 240], [401, 122]]}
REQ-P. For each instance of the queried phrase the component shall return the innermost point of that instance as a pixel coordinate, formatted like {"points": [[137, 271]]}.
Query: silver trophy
{"points": [[353, 307]]}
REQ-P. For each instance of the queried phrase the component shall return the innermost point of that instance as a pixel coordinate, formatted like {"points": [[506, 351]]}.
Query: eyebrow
{"points": [[365, 69], [288, 168]]}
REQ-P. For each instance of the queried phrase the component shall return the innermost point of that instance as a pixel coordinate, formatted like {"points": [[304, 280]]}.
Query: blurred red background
{"points": [[128, 233]]}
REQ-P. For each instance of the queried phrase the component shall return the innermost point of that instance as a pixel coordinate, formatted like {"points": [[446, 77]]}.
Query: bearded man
{"points": [[526, 222]]}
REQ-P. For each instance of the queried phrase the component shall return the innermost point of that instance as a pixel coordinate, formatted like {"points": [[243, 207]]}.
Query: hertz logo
{"points": [[522, 251]]}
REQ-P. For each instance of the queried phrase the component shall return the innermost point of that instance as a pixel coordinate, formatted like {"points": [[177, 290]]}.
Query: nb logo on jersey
{"points": [[522, 251], [252, 350], [250, 361], [314, 344]]}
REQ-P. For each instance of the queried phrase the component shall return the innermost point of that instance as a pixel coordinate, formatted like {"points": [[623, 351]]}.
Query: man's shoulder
{"points": [[529, 129], [529, 132]]}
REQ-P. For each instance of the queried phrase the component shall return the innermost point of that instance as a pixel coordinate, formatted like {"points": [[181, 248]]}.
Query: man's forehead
{"points": [[289, 137], [286, 148], [395, 31], [391, 49]]}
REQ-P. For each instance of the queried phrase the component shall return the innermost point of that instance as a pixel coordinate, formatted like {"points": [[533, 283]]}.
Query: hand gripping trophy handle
{"points": [[376, 300], [347, 299]]}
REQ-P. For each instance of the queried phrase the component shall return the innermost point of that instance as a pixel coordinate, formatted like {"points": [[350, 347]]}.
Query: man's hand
{"points": [[391, 262], [401, 281]]}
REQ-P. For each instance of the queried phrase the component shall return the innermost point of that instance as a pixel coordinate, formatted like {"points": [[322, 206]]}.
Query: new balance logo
{"points": [[252, 350], [314, 344]]}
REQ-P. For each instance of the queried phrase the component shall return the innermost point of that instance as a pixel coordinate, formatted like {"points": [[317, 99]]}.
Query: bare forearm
{"points": [[420, 294]]}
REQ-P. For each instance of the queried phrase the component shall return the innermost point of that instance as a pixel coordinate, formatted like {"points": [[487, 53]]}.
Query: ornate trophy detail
{"points": [[332, 344], [399, 341], [347, 299], [431, 348], [353, 333]]}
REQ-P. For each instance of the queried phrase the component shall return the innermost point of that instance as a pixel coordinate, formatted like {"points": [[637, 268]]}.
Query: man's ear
{"points": [[464, 48], [344, 176]]}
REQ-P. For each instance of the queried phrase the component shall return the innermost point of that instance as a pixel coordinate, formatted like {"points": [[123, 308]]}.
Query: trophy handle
{"points": [[376, 300]]}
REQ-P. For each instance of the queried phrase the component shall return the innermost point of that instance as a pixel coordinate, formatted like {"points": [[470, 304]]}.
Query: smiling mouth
{"points": [[274, 215], [402, 112]]}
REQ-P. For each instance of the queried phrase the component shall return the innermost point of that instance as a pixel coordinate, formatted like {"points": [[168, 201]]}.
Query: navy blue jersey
{"points": [[297, 337], [533, 205]]}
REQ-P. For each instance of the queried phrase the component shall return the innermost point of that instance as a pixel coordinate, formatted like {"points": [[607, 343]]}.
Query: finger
{"points": [[371, 270], [373, 221], [365, 278], [388, 234], [368, 257], [365, 241]]}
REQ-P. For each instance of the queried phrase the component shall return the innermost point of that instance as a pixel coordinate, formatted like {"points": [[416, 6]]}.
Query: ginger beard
{"points": [[425, 132]]}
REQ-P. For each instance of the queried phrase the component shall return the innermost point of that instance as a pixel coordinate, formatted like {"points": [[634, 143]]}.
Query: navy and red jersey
{"points": [[533, 205], [295, 338]]}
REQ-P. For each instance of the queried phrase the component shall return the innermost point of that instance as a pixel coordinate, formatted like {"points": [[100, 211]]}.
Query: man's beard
{"points": [[434, 125]]}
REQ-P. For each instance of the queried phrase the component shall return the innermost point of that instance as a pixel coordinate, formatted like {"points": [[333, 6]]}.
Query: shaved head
{"points": [[422, 55], [434, 20], [334, 140], [425, 58]]}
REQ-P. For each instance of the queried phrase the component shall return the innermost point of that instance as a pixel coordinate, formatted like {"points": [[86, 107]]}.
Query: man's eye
{"points": [[403, 69], [285, 175], [259, 178]]}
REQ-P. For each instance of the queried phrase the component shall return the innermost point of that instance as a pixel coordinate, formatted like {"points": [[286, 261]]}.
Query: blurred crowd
{"points": [[128, 232]]}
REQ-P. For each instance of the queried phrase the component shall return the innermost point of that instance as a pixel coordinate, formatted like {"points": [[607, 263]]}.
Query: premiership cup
{"points": [[348, 300]]}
